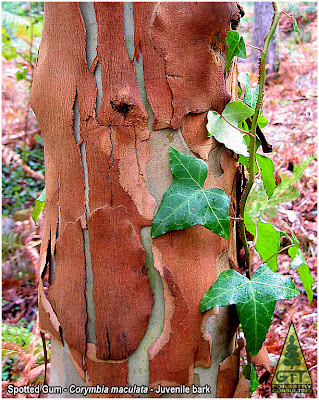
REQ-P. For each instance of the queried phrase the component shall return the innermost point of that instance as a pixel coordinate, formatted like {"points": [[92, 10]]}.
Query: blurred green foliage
{"points": [[259, 206], [22, 24], [10, 243], [19, 190]]}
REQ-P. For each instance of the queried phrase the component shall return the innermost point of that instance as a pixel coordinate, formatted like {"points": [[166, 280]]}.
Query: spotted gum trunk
{"points": [[115, 85]]}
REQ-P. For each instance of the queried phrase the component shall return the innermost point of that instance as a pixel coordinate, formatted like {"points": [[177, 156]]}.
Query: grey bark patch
{"points": [[138, 362], [90, 308], [214, 160], [128, 28], [91, 27], [223, 338], [63, 372]]}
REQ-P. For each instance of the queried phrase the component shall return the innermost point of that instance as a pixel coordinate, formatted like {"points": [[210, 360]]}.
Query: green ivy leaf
{"points": [[236, 47], [268, 240], [250, 373], [300, 263], [250, 95], [186, 203], [223, 132], [255, 300], [267, 169], [295, 25], [292, 251], [262, 121], [38, 206]]}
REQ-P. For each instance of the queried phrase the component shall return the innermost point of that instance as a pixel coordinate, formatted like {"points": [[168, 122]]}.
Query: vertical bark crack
{"points": [[99, 88], [138, 361], [90, 308], [112, 163], [128, 18], [108, 342], [128, 28], [88, 15]]}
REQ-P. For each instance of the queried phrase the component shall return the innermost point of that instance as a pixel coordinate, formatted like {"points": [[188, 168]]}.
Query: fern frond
{"points": [[13, 19], [11, 157], [11, 242]]}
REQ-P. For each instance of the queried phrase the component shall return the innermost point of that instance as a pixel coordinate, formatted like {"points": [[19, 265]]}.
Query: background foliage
{"points": [[22, 182]]}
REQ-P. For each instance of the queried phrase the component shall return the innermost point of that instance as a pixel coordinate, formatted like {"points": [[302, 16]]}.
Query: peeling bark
{"points": [[190, 39], [229, 374], [66, 294], [108, 374], [158, 91], [120, 283], [120, 104], [106, 175], [195, 134]]}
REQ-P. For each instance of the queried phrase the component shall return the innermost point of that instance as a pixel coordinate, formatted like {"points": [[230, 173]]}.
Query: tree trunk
{"points": [[263, 15], [121, 308]]}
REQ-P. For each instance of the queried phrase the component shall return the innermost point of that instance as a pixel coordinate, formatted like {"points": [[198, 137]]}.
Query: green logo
{"points": [[291, 374]]}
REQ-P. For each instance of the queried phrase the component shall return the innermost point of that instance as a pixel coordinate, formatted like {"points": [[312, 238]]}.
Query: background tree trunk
{"points": [[121, 308], [263, 15]]}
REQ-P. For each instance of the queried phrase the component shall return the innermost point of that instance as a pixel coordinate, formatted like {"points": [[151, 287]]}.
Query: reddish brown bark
{"points": [[69, 283], [184, 54], [121, 283], [190, 39], [158, 91], [63, 59]]}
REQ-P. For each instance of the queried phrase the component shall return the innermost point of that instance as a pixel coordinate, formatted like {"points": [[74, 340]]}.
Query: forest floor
{"points": [[291, 107]]}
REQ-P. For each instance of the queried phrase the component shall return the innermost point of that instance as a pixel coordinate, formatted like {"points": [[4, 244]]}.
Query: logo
{"points": [[291, 374]]}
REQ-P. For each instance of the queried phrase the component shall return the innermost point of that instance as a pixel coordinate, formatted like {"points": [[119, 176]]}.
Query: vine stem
{"points": [[236, 127], [280, 251], [252, 142], [287, 15], [254, 47], [256, 237]]}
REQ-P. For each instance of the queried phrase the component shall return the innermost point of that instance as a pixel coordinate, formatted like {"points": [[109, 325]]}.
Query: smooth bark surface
{"points": [[115, 85], [263, 15]]}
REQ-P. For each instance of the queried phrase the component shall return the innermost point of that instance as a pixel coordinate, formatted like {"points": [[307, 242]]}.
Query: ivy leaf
{"points": [[300, 263], [186, 203], [38, 206], [223, 132], [250, 95], [262, 121], [236, 47], [268, 240], [295, 25], [250, 373], [267, 169], [255, 300], [245, 162], [292, 251]]}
